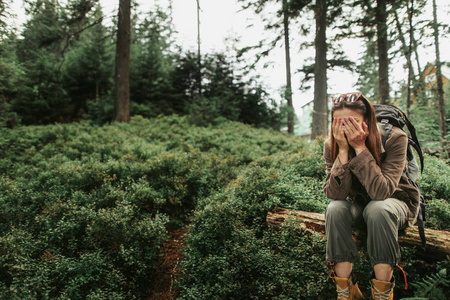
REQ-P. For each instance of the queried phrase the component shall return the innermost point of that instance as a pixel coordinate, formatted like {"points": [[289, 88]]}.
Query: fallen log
{"points": [[438, 242]]}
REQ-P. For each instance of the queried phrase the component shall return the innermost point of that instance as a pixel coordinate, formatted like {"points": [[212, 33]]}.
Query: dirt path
{"points": [[168, 267]]}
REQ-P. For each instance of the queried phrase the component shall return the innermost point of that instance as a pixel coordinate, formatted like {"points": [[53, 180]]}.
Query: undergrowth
{"points": [[85, 210]]}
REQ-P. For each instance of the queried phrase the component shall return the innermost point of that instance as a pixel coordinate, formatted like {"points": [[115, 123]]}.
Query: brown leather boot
{"points": [[382, 290], [347, 289]]}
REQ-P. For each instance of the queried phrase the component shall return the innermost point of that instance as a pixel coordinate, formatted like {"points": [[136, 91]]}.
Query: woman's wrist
{"points": [[343, 156], [360, 149]]}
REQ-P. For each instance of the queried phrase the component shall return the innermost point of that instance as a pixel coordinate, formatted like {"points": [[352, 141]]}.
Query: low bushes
{"points": [[434, 182], [85, 209], [227, 259], [231, 253]]}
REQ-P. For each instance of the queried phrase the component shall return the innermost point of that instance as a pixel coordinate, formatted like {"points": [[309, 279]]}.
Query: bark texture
{"points": [[290, 114], [122, 71], [439, 83], [382, 44], [319, 124]]}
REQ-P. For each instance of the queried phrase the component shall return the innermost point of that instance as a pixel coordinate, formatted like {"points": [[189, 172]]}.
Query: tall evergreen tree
{"points": [[383, 47], [122, 70], [287, 50], [439, 84], [41, 98], [407, 52], [199, 53], [289, 10], [87, 65], [152, 65], [319, 124], [10, 70]]}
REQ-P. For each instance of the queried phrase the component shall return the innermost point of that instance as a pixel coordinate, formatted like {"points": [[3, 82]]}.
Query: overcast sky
{"points": [[222, 18]]}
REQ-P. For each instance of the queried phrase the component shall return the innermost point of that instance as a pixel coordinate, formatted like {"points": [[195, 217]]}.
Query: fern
{"points": [[430, 285]]}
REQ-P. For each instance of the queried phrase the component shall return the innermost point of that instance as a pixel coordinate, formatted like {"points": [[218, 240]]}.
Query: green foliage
{"points": [[85, 209], [10, 71], [438, 214], [152, 67], [434, 182], [222, 94], [425, 117], [65, 66], [40, 92], [87, 66], [432, 286], [227, 259], [230, 251]]}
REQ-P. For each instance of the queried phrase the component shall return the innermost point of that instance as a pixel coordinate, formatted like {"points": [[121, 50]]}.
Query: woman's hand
{"points": [[356, 134], [339, 135], [341, 140]]}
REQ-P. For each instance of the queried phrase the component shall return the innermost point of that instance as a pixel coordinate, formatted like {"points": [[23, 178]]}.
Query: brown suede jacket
{"points": [[362, 176]]}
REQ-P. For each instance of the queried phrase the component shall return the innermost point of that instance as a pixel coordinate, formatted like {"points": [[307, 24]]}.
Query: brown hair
{"points": [[373, 141]]}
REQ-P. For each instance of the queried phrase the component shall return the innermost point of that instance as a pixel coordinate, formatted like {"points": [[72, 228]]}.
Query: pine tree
{"points": [[319, 124], [41, 98], [439, 84], [10, 70], [122, 70], [152, 65], [383, 47], [289, 10], [87, 65]]}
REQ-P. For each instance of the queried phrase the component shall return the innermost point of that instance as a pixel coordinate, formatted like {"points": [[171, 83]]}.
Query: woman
{"points": [[366, 183]]}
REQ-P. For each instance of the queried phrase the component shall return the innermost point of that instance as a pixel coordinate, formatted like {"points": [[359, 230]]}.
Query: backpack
{"points": [[389, 116]]}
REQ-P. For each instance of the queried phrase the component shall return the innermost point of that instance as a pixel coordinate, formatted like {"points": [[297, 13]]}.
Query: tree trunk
{"points": [[288, 92], [122, 72], [439, 84], [319, 124], [407, 50], [419, 85], [199, 56], [383, 60], [411, 76], [438, 242], [97, 88]]}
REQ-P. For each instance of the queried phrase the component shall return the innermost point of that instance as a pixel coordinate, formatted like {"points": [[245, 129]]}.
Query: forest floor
{"points": [[168, 267]]}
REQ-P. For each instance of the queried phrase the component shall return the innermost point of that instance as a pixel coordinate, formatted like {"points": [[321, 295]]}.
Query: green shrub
{"points": [[79, 251], [86, 209], [242, 264], [29, 272], [434, 182], [438, 214], [231, 253]]}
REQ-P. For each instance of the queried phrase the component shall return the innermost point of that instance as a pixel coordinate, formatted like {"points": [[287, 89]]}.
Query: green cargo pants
{"points": [[382, 219]]}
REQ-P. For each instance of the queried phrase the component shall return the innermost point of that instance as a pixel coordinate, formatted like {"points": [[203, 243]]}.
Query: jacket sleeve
{"points": [[381, 183], [339, 179]]}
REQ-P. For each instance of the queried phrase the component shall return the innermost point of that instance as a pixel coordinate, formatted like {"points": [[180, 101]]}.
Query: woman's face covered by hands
{"points": [[349, 128]]}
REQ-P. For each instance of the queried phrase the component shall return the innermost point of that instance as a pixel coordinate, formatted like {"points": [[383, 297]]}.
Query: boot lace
{"points": [[343, 293], [381, 295]]}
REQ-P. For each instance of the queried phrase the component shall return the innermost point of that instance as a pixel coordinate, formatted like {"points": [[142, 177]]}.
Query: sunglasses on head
{"points": [[349, 97]]}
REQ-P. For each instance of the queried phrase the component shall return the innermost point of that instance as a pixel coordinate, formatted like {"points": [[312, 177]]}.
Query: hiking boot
{"points": [[347, 289], [382, 290]]}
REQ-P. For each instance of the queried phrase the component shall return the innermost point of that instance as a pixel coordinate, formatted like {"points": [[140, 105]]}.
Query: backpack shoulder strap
{"points": [[385, 127], [414, 142]]}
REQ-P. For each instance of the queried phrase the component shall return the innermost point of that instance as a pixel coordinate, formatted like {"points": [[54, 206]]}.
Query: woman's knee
{"points": [[377, 212], [338, 209]]}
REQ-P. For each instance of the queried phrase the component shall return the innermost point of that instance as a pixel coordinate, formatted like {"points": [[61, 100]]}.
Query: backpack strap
{"points": [[385, 128], [414, 142], [421, 218]]}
